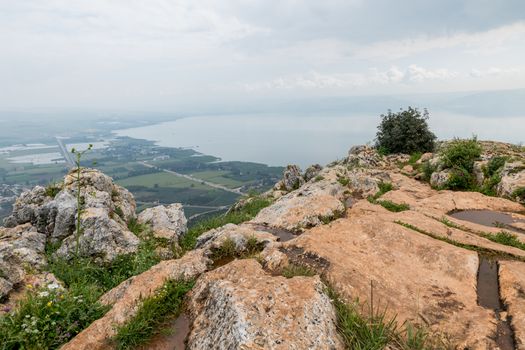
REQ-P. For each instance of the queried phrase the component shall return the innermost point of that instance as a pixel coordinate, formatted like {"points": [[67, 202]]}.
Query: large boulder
{"points": [[364, 157], [168, 222], [101, 238], [240, 306], [22, 250], [440, 179]]}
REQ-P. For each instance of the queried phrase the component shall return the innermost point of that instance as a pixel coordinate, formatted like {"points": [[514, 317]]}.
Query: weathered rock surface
{"points": [[102, 238], [168, 222], [21, 250], [125, 299], [238, 234], [239, 306], [26, 206], [439, 179], [312, 171], [292, 179], [512, 179], [512, 290]]}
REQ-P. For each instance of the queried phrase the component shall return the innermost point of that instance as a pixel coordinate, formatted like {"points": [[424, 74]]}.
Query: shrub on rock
{"points": [[405, 132]]}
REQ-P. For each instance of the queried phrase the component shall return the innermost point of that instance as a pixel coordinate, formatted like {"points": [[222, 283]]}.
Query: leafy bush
{"points": [[519, 193], [461, 154], [414, 157], [459, 179], [405, 132], [494, 165]]}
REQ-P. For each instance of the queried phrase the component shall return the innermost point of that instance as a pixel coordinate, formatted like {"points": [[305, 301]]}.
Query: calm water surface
{"points": [[280, 140]]}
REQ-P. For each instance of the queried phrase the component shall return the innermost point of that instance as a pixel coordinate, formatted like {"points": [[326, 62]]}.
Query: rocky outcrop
{"points": [[512, 289], [26, 207], [312, 171], [166, 222], [21, 250], [512, 179], [239, 235], [239, 306], [440, 178], [102, 238], [292, 179]]}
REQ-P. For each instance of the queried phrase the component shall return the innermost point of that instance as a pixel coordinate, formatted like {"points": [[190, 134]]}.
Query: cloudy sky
{"points": [[161, 54]]}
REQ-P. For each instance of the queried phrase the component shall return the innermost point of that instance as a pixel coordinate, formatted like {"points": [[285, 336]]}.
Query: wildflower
{"points": [[49, 303], [43, 294], [29, 286]]}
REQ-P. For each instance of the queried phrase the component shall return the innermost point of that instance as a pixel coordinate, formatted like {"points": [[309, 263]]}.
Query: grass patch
{"points": [[384, 187], [166, 302], [389, 205], [247, 212], [47, 318], [343, 180], [481, 250], [519, 193], [372, 329], [228, 249], [414, 157], [293, 270], [319, 178], [52, 190], [502, 237]]}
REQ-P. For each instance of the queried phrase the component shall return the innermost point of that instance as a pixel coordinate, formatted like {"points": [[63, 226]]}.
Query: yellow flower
{"points": [[29, 286], [49, 303]]}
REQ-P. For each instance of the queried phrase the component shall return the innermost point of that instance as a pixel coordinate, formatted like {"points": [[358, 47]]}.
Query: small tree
{"points": [[405, 132], [78, 170]]}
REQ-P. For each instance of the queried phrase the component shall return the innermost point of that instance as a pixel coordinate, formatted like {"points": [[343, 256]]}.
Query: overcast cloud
{"points": [[161, 54]]}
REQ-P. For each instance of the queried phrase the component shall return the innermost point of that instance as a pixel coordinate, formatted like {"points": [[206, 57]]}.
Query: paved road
{"points": [[189, 177], [68, 157]]}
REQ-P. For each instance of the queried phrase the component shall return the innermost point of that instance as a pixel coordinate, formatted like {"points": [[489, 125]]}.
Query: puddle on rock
{"points": [[488, 297], [173, 338], [488, 218], [284, 235]]}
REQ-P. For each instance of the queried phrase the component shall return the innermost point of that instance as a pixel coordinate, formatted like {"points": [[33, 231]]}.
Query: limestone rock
{"points": [[26, 206], [364, 157], [440, 178], [512, 290], [238, 234], [166, 222], [292, 178], [512, 179], [312, 171], [126, 298], [477, 170], [21, 250], [239, 306], [102, 238]]}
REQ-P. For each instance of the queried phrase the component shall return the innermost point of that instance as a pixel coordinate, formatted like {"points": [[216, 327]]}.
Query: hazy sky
{"points": [[162, 54]]}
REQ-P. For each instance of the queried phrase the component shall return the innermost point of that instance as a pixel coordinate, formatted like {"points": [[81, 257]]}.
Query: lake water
{"points": [[303, 140]]}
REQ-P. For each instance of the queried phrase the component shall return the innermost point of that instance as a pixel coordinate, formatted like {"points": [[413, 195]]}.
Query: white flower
{"points": [[43, 294], [53, 286]]}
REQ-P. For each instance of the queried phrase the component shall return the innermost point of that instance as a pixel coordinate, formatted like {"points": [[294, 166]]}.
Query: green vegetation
{"points": [[502, 237], [485, 251], [343, 180], [393, 207], [319, 178], [166, 302], [404, 132], [414, 157], [373, 329], [461, 154], [47, 317], [52, 190], [385, 187], [292, 270], [519, 193], [247, 212], [78, 158]]}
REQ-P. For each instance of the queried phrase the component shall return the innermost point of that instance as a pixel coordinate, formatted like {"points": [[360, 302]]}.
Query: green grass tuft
{"points": [[293, 270], [166, 302], [373, 329], [248, 212]]}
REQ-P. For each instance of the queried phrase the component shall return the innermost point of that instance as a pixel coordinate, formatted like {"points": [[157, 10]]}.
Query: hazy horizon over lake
{"points": [[304, 140]]}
